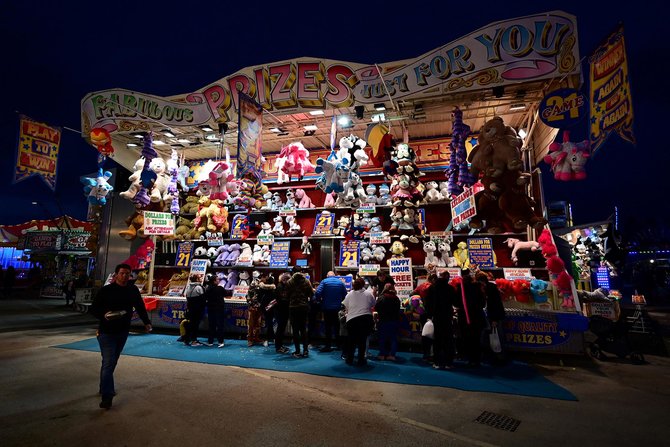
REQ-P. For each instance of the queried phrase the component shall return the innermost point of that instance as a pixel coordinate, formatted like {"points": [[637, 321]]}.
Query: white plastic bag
{"points": [[494, 340], [428, 329]]}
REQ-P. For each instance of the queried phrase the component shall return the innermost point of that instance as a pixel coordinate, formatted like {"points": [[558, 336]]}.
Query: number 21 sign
{"points": [[184, 254], [349, 252], [323, 225]]}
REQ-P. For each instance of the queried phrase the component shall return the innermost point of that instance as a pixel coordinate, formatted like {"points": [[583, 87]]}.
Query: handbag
{"points": [[428, 329], [494, 340], [270, 305]]}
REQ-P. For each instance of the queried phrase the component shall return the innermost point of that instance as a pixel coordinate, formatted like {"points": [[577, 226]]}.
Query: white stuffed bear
{"points": [[245, 279], [134, 180], [258, 255], [431, 260], [365, 252], [379, 252], [432, 194], [278, 229], [444, 191], [160, 189]]}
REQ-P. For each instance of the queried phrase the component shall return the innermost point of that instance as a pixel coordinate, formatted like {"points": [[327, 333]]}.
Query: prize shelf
{"points": [[241, 267]]}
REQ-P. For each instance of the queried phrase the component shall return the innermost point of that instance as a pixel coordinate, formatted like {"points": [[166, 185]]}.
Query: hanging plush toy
{"points": [[101, 139], [147, 176], [458, 174], [134, 178], [96, 189], [567, 159]]}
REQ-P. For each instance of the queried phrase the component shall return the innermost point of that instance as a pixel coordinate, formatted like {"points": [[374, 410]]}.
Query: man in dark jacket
{"points": [[495, 311], [300, 293], [471, 321], [331, 292], [113, 306], [439, 304]]}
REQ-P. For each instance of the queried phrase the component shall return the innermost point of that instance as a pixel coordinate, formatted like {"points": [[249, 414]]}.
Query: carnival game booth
{"points": [[407, 166], [57, 250]]}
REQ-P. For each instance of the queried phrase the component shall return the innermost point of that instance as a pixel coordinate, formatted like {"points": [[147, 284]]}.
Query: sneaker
{"points": [[265, 343], [282, 350], [209, 343], [106, 402], [296, 355], [222, 344], [306, 353], [196, 343]]}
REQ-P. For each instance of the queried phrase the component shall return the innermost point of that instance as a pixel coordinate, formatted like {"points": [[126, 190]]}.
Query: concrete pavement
{"points": [[49, 397]]}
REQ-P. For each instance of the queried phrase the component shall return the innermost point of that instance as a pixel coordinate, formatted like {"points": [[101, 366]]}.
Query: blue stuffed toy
{"points": [[538, 289], [96, 189]]}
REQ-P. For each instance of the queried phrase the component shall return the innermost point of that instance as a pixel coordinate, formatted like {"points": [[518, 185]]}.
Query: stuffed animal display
{"points": [[516, 245], [96, 189], [303, 199], [557, 273], [458, 174], [567, 159], [339, 172], [293, 160], [503, 203], [405, 192]]}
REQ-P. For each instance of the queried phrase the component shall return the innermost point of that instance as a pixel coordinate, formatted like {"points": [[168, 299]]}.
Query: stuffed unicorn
{"points": [[567, 159]]}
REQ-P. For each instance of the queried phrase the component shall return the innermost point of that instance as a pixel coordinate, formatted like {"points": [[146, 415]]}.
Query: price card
{"points": [[323, 225], [240, 226], [368, 269], [517, 273], [349, 253], [279, 254], [265, 239], [158, 223], [287, 212], [184, 254], [381, 237], [214, 239], [366, 209], [421, 220], [240, 293]]}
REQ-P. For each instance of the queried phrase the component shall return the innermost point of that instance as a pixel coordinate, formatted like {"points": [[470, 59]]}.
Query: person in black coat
{"points": [[215, 297], [472, 322], [495, 311], [439, 303]]}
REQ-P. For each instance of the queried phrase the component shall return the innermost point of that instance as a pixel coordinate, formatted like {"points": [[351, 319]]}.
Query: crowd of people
{"points": [[461, 313]]}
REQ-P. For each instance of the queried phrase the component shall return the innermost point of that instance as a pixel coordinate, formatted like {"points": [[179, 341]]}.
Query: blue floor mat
{"points": [[514, 378]]}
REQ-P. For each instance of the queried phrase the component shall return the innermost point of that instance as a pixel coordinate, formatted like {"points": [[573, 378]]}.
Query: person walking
{"points": [[300, 294], [331, 291], [69, 293], [388, 310], [113, 306], [359, 304], [195, 309], [439, 304], [281, 310], [471, 319], [215, 296]]}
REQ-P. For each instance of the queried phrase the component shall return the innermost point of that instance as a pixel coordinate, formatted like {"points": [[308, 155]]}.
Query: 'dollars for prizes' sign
{"points": [[480, 250], [401, 272], [158, 223], [279, 254]]}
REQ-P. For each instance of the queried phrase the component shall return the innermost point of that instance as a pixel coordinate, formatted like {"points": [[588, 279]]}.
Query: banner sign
{"points": [[349, 253], [184, 254], [463, 207], [368, 269], [38, 149], [365, 209], [611, 102], [400, 269], [530, 48], [563, 108], [239, 226], [531, 331], [480, 251], [323, 224], [44, 240], [517, 273], [279, 254], [76, 240], [158, 223], [250, 126]]}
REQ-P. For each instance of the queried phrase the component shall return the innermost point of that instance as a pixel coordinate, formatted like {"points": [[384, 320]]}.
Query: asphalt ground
{"points": [[49, 398]]}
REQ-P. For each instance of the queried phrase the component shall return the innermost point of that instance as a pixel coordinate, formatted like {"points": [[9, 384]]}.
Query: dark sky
{"points": [[53, 53]]}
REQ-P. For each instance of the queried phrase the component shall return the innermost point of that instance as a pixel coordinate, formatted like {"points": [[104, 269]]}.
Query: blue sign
{"points": [[323, 224], [349, 253], [480, 251], [279, 254], [184, 254], [347, 280]]}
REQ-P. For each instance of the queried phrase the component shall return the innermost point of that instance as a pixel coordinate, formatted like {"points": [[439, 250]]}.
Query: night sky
{"points": [[53, 54]]}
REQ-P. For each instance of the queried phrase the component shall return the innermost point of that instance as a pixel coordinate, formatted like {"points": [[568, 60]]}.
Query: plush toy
{"points": [[96, 189], [342, 224], [521, 288], [266, 229], [354, 193], [201, 253], [329, 201], [293, 227], [265, 255], [233, 254], [398, 250], [498, 149], [294, 159], [267, 205], [567, 159], [353, 148], [365, 252], [190, 207], [245, 279], [446, 260], [384, 195], [134, 178], [432, 193], [396, 220], [101, 139], [257, 255], [516, 245], [222, 253], [159, 191], [280, 161], [277, 203], [233, 279], [306, 246], [278, 229], [375, 225], [461, 255], [182, 175], [184, 226], [538, 290], [335, 173], [371, 194], [431, 261], [458, 175], [135, 228], [212, 253], [303, 198], [290, 199], [379, 252], [506, 288]]}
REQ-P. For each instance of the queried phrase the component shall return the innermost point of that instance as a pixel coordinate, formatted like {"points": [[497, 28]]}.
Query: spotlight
{"points": [[207, 128], [360, 110], [516, 107], [311, 127], [132, 145], [344, 120], [275, 129], [316, 112], [380, 107], [168, 133]]}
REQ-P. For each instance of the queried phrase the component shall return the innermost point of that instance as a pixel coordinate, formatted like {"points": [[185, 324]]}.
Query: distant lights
{"points": [[311, 127], [344, 121], [316, 112]]}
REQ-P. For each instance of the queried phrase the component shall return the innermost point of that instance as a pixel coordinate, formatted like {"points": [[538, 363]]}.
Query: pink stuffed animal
{"points": [[329, 202], [218, 178], [304, 200], [293, 159], [567, 159]]}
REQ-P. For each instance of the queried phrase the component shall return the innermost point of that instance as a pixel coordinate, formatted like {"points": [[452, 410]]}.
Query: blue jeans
{"points": [[111, 346], [388, 336]]}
